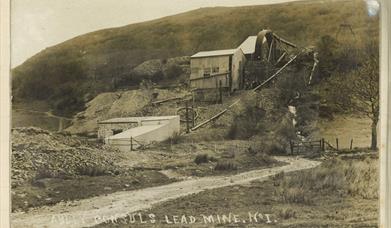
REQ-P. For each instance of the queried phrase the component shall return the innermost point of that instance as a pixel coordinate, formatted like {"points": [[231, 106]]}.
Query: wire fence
{"points": [[131, 143]]}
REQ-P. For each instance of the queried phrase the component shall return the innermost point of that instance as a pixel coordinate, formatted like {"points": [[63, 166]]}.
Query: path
{"points": [[47, 113], [83, 213]]}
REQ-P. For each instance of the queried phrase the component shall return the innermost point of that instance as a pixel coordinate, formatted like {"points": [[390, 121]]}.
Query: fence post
{"points": [[351, 144], [60, 124], [336, 142], [187, 117], [131, 143], [322, 144], [291, 145], [193, 115], [220, 92]]}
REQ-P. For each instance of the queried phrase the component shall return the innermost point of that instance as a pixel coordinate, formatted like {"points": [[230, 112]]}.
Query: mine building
{"points": [[215, 69], [239, 68]]}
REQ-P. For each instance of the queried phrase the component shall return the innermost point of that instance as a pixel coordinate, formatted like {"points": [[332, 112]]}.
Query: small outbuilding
{"points": [[132, 132]]}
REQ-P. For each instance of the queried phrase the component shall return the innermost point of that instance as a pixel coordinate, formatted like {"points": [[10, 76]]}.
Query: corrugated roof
{"points": [[214, 53], [248, 46], [136, 119]]}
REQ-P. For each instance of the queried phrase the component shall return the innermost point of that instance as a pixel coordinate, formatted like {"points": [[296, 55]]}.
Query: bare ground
{"points": [[88, 212]]}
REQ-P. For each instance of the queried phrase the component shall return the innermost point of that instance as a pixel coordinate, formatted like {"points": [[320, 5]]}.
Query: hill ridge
{"points": [[86, 65]]}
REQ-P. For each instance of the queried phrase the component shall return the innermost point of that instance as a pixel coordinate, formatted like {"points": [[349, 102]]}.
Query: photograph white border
{"points": [[5, 106], [385, 110]]}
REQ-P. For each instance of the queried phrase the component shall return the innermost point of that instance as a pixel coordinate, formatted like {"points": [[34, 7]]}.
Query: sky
{"points": [[38, 24]]}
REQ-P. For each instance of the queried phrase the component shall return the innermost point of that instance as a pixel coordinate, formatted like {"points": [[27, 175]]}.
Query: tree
{"points": [[364, 87], [358, 91], [327, 49]]}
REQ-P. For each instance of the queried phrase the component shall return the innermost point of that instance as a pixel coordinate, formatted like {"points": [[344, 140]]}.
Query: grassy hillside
{"points": [[68, 74]]}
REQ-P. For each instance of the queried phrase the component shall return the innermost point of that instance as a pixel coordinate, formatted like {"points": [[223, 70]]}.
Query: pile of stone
{"points": [[120, 104], [38, 153], [155, 68]]}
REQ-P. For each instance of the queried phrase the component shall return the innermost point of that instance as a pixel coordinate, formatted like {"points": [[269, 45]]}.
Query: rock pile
{"points": [[155, 68], [120, 104], [38, 153]]}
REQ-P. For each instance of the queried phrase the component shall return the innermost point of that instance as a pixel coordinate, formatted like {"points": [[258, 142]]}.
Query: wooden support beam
{"points": [[210, 119], [277, 73], [166, 100], [336, 143], [270, 50], [316, 61], [237, 101], [284, 41], [281, 57]]}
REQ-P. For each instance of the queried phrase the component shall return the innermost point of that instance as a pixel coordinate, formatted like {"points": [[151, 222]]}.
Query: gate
{"points": [[307, 146]]}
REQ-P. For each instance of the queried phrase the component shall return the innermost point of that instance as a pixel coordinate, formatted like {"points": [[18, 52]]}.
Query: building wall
{"points": [[238, 62], [167, 129], [207, 72], [203, 69]]}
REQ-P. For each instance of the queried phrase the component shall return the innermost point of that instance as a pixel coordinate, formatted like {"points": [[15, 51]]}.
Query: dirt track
{"points": [[89, 212]]}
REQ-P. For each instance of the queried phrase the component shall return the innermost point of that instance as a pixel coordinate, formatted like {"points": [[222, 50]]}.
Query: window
{"points": [[215, 70], [195, 70], [116, 131], [206, 72]]}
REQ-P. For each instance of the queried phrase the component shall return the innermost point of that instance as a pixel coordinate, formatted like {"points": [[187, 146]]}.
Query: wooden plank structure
{"points": [[299, 147], [237, 101]]}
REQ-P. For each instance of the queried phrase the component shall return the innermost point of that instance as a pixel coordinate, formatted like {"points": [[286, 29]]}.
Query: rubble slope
{"points": [[121, 104], [38, 153]]}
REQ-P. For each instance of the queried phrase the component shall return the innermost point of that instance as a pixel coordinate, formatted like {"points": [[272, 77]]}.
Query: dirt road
{"points": [[92, 211]]}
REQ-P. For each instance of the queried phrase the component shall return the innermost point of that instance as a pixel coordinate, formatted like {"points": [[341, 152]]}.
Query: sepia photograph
{"points": [[174, 113]]}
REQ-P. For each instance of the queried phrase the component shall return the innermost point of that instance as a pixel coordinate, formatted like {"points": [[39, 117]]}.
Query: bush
{"points": [[296, 195], [267, 147], [212, 159], [91, 171], [326, 112], [287, 213], [201, 158], [225, 166], [173, 71], [278, 178], [284, 132], [43, 172], [176, 138], [248, 122]]}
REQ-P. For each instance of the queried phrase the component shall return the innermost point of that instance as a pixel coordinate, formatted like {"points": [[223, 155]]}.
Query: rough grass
{"points": [[204, 158], [49, 190], [333, 206], [225, 166], [346, 178], [201, 158], [175, 138]]}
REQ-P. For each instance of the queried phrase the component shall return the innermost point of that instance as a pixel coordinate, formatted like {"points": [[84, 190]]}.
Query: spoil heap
{"points": [[37, 153], [121, 104]]}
